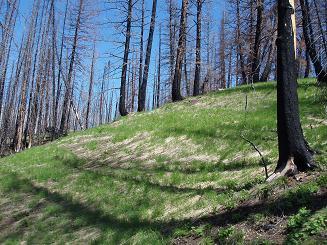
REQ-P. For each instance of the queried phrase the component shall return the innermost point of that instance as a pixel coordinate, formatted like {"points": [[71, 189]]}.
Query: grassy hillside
{"points": [[181, 174]]}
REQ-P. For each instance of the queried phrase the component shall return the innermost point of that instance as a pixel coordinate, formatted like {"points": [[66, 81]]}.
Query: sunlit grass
{"points": [[145, 176]]}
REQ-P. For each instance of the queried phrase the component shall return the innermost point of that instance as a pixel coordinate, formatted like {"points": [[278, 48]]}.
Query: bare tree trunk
{"points": [[141, 46], [159, 71], [59, 67], [222, 47], [266, 71], [196, 87], [122, 97], [142, 90], [102, 95], [53, 55], [308, 64], [89, 101], [257, 40], [239, 44], [229, 81], [294, 153], [5, 44], [176, 88], [171, 40]]}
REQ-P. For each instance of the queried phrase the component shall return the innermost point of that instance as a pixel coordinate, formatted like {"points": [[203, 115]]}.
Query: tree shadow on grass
{"points": [[95, 217], [144, 180]]}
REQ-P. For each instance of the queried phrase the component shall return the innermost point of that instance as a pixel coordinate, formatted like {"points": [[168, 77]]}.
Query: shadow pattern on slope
{"points": [[92, 216]]}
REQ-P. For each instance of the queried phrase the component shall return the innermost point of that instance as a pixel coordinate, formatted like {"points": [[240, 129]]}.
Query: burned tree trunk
{"points": [[196, 87], [256, 49], [89, 101], [239, 44], [142, 89], [176, 88], [122, 97], [222, 47], [294, 152]]}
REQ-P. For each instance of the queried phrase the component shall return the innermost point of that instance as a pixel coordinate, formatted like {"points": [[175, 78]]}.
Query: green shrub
{"points": [[230, 236]]}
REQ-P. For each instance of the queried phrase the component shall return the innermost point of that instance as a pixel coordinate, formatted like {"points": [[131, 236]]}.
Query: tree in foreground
{"points": [[294, 152]]}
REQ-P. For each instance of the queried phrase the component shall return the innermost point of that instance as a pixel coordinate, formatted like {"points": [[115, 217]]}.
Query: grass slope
{"points": [[180, 174]]}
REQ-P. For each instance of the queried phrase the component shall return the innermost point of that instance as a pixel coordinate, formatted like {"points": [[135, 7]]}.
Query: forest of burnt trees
{"points": [[51, 81]]}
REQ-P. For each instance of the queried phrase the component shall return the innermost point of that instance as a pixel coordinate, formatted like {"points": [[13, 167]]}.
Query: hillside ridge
{"points": [[181, 174]]}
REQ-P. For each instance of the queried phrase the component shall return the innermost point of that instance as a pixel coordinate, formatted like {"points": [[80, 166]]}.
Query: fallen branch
{"points": [[262, 158]]}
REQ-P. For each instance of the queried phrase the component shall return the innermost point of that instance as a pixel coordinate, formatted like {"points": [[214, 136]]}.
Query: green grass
{"points": [[150, 177]]}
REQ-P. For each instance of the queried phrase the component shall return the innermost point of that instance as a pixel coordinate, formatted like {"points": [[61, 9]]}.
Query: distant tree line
{"points": [[47, 89]]}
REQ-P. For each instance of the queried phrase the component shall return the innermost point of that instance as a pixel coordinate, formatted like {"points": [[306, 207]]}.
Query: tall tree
{"points": [[196, 86], [176, 87], [240, 48], [141, 45], [257, 40], [89, 100], [142, 89], [159, 70], [122, 97], [222, 47], [294, 152]]}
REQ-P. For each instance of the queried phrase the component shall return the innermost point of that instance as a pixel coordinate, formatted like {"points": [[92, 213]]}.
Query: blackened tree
{"points": [[294, 152]]}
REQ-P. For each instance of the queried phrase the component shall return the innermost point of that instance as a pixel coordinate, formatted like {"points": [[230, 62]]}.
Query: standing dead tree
{"points": [[142, 89], [294, 152], [122, 96], [176, 87], [197, 76]]}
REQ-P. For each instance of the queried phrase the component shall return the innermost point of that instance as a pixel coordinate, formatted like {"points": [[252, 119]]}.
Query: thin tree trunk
{"points": [[197, 75], [256, 49], [222, 53], [142, 91], [308, 64], [159, 70], [176, 88], [239, 44], [88, 109], [122, 97]]}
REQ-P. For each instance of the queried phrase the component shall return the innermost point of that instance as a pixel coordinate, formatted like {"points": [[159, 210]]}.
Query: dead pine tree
{"points": [[222, 47], [142, 89], [176, 87], [197, 75], [122, 96], [159, 70], [89, 100], [257, 40], [294, 152]]}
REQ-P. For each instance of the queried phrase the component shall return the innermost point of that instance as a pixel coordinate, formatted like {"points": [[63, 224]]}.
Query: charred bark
{"points": [[294, 153]]}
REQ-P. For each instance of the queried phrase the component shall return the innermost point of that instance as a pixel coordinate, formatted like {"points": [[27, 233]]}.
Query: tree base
{"points": [[289, 169]]}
